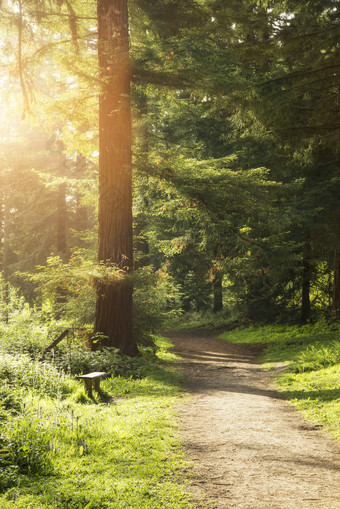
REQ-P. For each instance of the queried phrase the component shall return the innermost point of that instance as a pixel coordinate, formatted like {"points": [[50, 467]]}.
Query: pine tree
{"points": [[115, 247]]}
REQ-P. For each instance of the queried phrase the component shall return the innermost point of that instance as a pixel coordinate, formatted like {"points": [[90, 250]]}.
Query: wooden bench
{"points": [[92, 381]]}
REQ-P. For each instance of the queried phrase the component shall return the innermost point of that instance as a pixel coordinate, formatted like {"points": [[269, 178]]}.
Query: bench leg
{"points": [[96, 384], [88, 386]]}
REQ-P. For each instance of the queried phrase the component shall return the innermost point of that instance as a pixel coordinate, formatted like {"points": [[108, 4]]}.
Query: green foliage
{"points": [[15, 303], [24, 447], [317, 394], [156, 296], [8, 476], [76, 279]]}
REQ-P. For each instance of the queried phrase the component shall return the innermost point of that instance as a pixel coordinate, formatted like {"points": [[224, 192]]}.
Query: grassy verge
{"points": [[310, 356], [117, 451]]}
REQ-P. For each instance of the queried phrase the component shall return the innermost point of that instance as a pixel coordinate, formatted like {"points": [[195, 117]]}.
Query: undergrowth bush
{"points": [[155, 303], [29, 332], [44, 378]]}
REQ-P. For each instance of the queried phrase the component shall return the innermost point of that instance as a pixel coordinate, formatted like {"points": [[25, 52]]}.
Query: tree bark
{"points": [[114, 317]]}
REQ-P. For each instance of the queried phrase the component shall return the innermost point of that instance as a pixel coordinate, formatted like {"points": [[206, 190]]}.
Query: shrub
{"points": [[23, 334]]}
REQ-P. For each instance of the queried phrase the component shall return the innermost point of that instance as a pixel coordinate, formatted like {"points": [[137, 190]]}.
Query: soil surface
{"points": [[250, 449]]}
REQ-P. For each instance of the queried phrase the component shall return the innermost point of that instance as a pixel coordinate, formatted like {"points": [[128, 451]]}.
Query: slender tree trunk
{"points": [[61, 220], [336, 286], [82, 220], [336, 279], [141, 220], [305, 301], [114, 317], [5, 258], [218, 293], [61, 242]]}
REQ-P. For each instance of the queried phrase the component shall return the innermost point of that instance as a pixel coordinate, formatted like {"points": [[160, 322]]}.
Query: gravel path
{"points": [[250, 449]]}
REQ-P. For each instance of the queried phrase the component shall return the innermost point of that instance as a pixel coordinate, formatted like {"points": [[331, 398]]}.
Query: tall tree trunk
{"points": [[305, 301], [114, 298], [336, 286]]}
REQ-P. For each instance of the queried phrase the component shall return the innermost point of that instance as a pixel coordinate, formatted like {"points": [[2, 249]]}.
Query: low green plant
{"points": [[24, 449], [318, 356], [10, 399], [156, 294], [42, 377], [27, 441]]}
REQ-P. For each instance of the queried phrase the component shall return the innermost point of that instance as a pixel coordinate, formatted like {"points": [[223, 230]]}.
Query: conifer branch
{"points": [[300, 74], [73, 25], [63, 41]]}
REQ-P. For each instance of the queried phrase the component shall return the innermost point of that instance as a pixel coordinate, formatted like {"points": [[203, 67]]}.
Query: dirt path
{"points": [[250, 449]]}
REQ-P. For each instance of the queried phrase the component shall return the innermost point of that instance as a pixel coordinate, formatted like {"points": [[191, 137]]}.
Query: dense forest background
{"points": [[235, 161]]}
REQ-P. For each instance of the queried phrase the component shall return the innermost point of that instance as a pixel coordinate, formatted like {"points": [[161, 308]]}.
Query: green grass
{"points": [[310, 356], [117, 451]]}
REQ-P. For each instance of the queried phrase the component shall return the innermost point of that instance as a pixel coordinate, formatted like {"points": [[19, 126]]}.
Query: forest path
{"points": [[250, 448]]}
